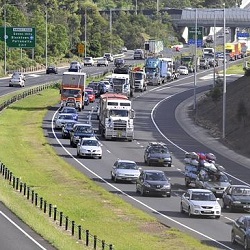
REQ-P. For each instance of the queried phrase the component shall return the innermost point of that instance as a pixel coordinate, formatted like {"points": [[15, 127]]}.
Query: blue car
{"points": [[70, 110]]}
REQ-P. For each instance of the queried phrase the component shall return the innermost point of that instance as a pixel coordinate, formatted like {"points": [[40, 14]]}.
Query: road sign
{"points": [[242, 35], [199, 42], [19, 37], [191, 33], [80, 48]]}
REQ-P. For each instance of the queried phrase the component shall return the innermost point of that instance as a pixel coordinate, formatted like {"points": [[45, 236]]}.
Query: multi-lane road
{"points": [[155, 121]]}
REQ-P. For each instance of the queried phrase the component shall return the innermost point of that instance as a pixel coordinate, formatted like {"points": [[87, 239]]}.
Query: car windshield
{"points": [[90, 143], [156, 177], [90, 92], [116, 112], [241, 191], [69, 125], [71, 111], [71, 92], [158, 150], [202, 196], [127, 165], [83, 129], [65, 117], [182, 67], [218, 178]]}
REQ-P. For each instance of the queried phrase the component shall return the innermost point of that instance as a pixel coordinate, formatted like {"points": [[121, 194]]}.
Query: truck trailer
{"points": [[73, 86], [233, 50], [116, 117], [154, 47]]}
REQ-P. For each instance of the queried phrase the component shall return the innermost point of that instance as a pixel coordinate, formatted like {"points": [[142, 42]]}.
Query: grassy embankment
{"points": [[26, 152]]}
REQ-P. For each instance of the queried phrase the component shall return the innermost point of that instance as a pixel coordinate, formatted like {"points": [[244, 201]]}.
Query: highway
{"points": [[155, 121]]}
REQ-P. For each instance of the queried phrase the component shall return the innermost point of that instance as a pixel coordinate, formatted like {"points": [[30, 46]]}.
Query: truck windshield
{"points": [[150, 70], [116, 112], [71, 93], [117, 81], [138, 76]]}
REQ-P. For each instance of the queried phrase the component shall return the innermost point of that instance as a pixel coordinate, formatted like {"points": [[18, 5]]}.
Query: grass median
{"points": [[26, 152]]}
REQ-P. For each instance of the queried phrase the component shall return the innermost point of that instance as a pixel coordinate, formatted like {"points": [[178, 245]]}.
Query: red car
{"points": [[91, 94]]}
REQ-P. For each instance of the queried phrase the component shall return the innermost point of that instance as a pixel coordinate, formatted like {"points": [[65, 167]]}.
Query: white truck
{"points": [[171, 73], [153, 47], [120, 84], [137, 77], [116, 117]]}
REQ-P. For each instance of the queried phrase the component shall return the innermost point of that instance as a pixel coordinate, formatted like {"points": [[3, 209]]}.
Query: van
{"points": [[138, 54]]}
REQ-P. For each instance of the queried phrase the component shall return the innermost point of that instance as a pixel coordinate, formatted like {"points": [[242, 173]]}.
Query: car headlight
{"points": [[66, 131], [168, 158], [167, 186], [83, 150], [217, 207], [76, 137], [147, 184], [196, 206]]}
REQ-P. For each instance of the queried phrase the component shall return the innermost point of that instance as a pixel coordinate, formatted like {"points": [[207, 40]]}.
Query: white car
{"points": [[62, 118], [89, 147], [16, 80], [108, 85], [102, 62], [183, 70], [125, 170], [89, 61], [200, 202]]}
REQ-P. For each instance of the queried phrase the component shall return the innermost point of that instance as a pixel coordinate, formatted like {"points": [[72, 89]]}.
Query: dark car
{"points": [[52, 70], [80, 131], [237, 197], [240, 232], [153, 182], [86, 98], [67, 128], [157, 153], [94, 86], [119, 62]]}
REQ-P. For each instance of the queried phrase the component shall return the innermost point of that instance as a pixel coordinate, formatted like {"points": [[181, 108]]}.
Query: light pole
{"points": [[195, 58], [224, 74], [110, 27], [5, 38], [136, 7], [46, 36], [214, 46], [85, 33]]}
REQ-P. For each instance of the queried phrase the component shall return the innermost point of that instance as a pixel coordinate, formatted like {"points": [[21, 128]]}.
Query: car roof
{"points": [[83, 124], [89, 138], [128, 161], [193, 190], [67, 114], [245, 186], [153, 171]]}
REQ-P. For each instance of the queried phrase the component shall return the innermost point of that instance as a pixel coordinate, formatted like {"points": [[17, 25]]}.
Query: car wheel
{"points": [[78, 155], [148, 162], [100, 157], [189, 213], [233, 237], [169, 165], [217, 217], [115, 179], [142, 192], [169, 195], [223, 204], [136, 189], [181, 209], [246, 243], [231, 208]]}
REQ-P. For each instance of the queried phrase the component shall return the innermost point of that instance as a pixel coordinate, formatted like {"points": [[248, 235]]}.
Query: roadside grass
{"points": [[28, 155], [236, 69]]}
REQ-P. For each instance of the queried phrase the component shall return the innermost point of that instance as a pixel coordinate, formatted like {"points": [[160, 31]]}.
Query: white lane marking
{"points": [[34, 75], [131, 197], [108, 151], [20, 229]]}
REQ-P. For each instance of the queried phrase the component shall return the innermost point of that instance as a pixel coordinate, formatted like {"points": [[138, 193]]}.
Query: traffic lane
{"points": [[177, 136], [15, 234]]}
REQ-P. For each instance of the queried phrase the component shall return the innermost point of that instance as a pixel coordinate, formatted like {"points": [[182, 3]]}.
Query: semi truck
{"points": [[171, 72], [156, 71], [121, 84], [73, 86], [233, 51], [153, 47], [137, 78], [116, 117]]}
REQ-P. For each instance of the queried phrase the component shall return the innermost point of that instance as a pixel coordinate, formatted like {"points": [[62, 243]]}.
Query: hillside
{"points": [[237, 125]]}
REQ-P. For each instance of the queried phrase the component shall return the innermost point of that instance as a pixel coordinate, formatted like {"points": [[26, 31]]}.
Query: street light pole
{"points": [[85, 33], [195, 59], [136, 7], [214, 46], [5, 45], [110, 26], [46, 36], [224, 74]]}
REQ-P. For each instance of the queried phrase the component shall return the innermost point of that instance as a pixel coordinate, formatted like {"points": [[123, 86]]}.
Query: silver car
{"points": [[16, 80], [125, 170], [61, 119], [200, 202]]}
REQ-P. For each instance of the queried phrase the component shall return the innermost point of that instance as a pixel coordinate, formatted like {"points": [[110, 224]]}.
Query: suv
{"points": [[89, 61], [138, 54], [157, 153], [204, 63], [75, 67], [109, 57], [79, 131], [119, 62]]}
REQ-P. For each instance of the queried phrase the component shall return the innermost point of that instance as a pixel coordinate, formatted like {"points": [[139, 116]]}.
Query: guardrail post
{"points": [[79, 232], [61, 218], [14, 182], [110, 247], [103, 244], [55, 211], [73, 228], [21, 187], [66, 222], [45, 206], [24, 189], [10, 179], [41, 203], [95, 241], [50, 209], [28, 193], [32, 196], [17, 183], [87, 237], [36, 195]]}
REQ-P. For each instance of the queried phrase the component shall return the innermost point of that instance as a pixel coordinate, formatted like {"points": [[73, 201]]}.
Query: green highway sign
{"points": [[19, 37], [191, 33]]}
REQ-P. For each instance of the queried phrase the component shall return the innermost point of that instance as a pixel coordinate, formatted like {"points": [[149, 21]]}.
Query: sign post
{"points": [[192, 33]]}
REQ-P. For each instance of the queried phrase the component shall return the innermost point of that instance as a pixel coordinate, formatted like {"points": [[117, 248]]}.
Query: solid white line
{"points": [[20, 229], [131, 197]]}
